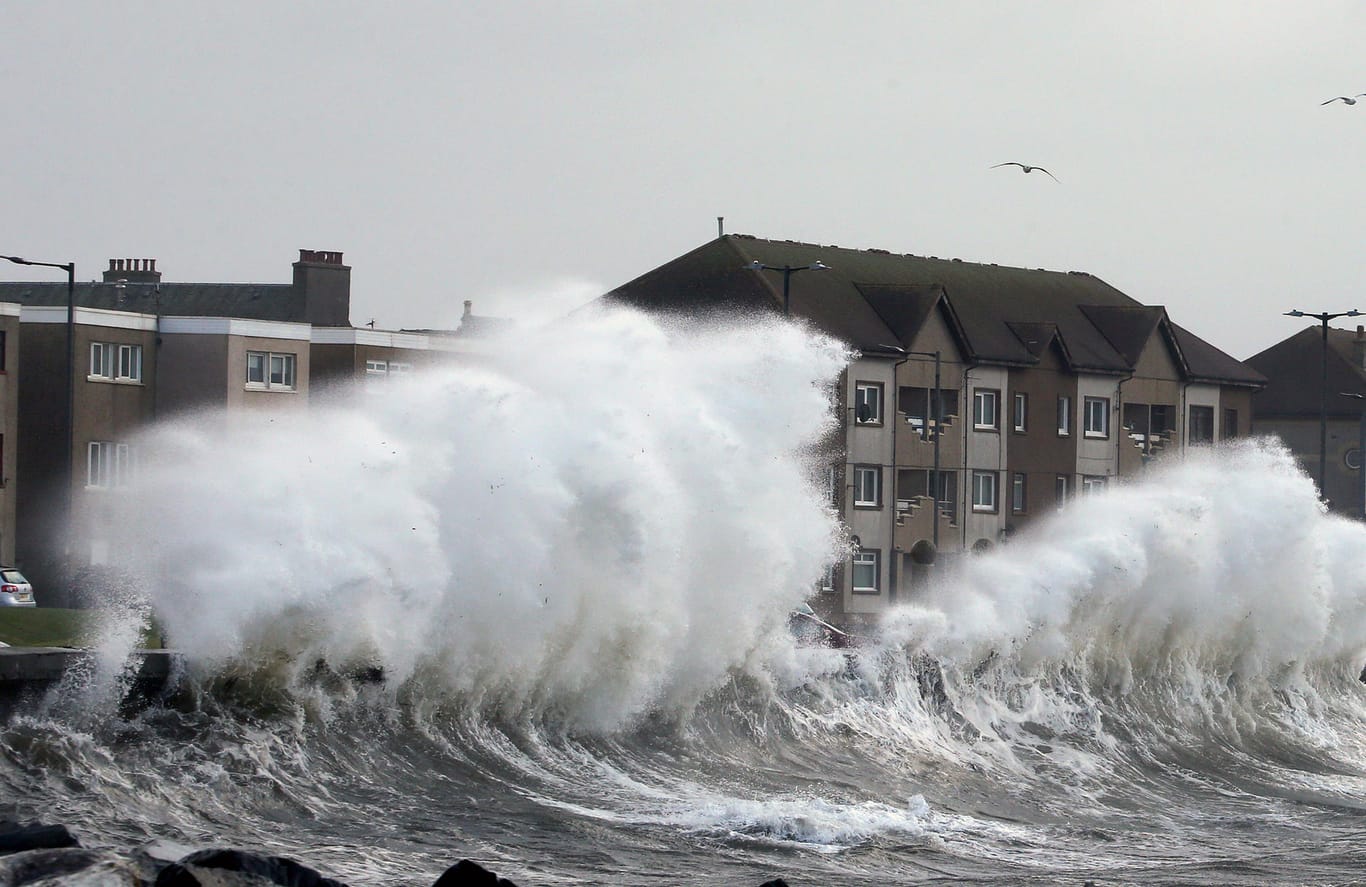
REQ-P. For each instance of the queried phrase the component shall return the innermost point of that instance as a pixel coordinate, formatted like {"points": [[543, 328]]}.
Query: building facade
{"points": [[143, 349], [982, 397]]}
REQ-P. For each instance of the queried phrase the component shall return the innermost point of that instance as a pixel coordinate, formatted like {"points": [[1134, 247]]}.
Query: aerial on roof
{"points": [[870, 298]]}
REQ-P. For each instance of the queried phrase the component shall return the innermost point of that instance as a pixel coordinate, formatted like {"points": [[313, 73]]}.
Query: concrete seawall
{"points": [[26, 673]]}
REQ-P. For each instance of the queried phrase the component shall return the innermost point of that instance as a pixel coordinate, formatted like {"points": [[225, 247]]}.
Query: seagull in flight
{"points": [[1028, 169], [1346, 100]]}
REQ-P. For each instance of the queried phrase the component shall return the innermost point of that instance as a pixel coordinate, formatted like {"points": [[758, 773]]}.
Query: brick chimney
{"points": [[132, 271], [325, 284]]}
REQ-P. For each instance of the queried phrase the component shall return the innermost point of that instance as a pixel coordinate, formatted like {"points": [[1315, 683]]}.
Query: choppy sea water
{"points": [[574, 566]]}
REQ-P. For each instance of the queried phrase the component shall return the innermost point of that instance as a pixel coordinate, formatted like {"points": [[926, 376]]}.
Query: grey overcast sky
{"points": [[530, 155]]}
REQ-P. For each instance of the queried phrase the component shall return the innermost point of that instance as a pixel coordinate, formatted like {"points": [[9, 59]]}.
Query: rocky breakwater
{"points": [[42, 855]]}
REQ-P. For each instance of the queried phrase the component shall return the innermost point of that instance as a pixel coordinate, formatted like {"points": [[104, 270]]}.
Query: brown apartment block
{"points": [[1049, 385], [147, 349]]}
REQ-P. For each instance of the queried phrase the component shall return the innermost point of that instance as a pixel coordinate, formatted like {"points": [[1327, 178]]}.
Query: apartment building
{"points": [[983, 396], [143, 349]]}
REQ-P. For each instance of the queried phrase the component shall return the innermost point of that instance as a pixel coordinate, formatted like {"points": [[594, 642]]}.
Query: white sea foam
{"points": [[601, 518], [1224, 560]]}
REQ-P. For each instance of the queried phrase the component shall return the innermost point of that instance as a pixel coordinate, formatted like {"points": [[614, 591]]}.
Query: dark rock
{"points": [[470, 874], [16, 838], [776, 882], [50, 864], [214, 863]]}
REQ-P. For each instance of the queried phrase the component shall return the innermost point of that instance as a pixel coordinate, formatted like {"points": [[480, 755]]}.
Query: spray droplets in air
{"points": [[599, 517]]}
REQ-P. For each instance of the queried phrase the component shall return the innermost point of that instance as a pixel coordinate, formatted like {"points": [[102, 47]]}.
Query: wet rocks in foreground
{"points": [[39, 855]]}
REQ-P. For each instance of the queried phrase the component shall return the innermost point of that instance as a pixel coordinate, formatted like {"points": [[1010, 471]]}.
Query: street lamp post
{"points": [[938, 414], [1323, 318], [788, 271], [1361, 448], [70, 269]]}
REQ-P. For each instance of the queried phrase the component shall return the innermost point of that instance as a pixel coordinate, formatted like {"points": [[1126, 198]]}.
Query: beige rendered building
{"points": [[983, 396]]}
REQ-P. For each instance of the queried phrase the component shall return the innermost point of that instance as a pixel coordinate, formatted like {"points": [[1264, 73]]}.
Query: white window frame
{"points": [[868, 394], [1018, 493], [110, 465], [266, 363], [984, 401], [115, 362], [1093, 483], [377, 367], [863, 559], [1021, 414], [828, 578], [867, 486], [1096, 417], [984, 491], [397, 369], [1060, 489], [1064, 415]]}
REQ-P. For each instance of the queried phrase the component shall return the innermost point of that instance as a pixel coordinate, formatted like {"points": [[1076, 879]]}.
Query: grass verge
{"points": [[56, 627]]}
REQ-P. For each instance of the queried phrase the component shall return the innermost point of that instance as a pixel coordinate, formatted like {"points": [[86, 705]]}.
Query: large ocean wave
{"points": [[573, 563]]}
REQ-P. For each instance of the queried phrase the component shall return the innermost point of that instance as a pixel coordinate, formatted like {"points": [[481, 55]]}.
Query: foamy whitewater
{"points": [[573, 562]]}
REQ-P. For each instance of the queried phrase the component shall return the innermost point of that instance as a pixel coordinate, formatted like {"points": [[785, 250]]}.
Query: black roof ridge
{"points": [[894, 254]]}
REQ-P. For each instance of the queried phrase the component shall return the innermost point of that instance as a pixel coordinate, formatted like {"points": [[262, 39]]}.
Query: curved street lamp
{"points": [[788, 271], [1323, 319], [70, 269]]}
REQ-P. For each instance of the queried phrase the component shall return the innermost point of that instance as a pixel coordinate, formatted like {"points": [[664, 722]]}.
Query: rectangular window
{"points": [[868, 403], [1096, 415], [101, 367], [984, 409], [1200, 427], [270, 370], [867, 486], [865, 571], [1064, 416], [1093, 484], [2, 351], [376, 367], [115, 363], [110, 465], [828, 579], [282, 370], [1021, 411], [1230, 424], [1060, 489], [984, 491], [1017, 493], [130, 363], [399, 368]]}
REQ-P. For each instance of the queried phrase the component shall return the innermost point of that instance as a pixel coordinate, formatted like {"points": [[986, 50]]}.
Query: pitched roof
{"points": [[871, 298], [254, 301], [1294, 367]]}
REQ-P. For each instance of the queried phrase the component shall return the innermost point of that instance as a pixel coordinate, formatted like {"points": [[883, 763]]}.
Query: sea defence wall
{"points": [[27, 673]]}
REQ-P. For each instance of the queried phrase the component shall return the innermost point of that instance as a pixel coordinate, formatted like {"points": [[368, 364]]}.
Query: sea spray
{"points": [[596, 519], [1224, 560]]}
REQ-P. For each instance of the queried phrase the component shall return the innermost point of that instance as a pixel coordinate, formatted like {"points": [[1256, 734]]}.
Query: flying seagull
{"points": [[1346, 100], [1028, 169]]}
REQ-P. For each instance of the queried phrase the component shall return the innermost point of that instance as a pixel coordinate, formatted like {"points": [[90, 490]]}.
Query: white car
{"points": [[15, 590]]}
